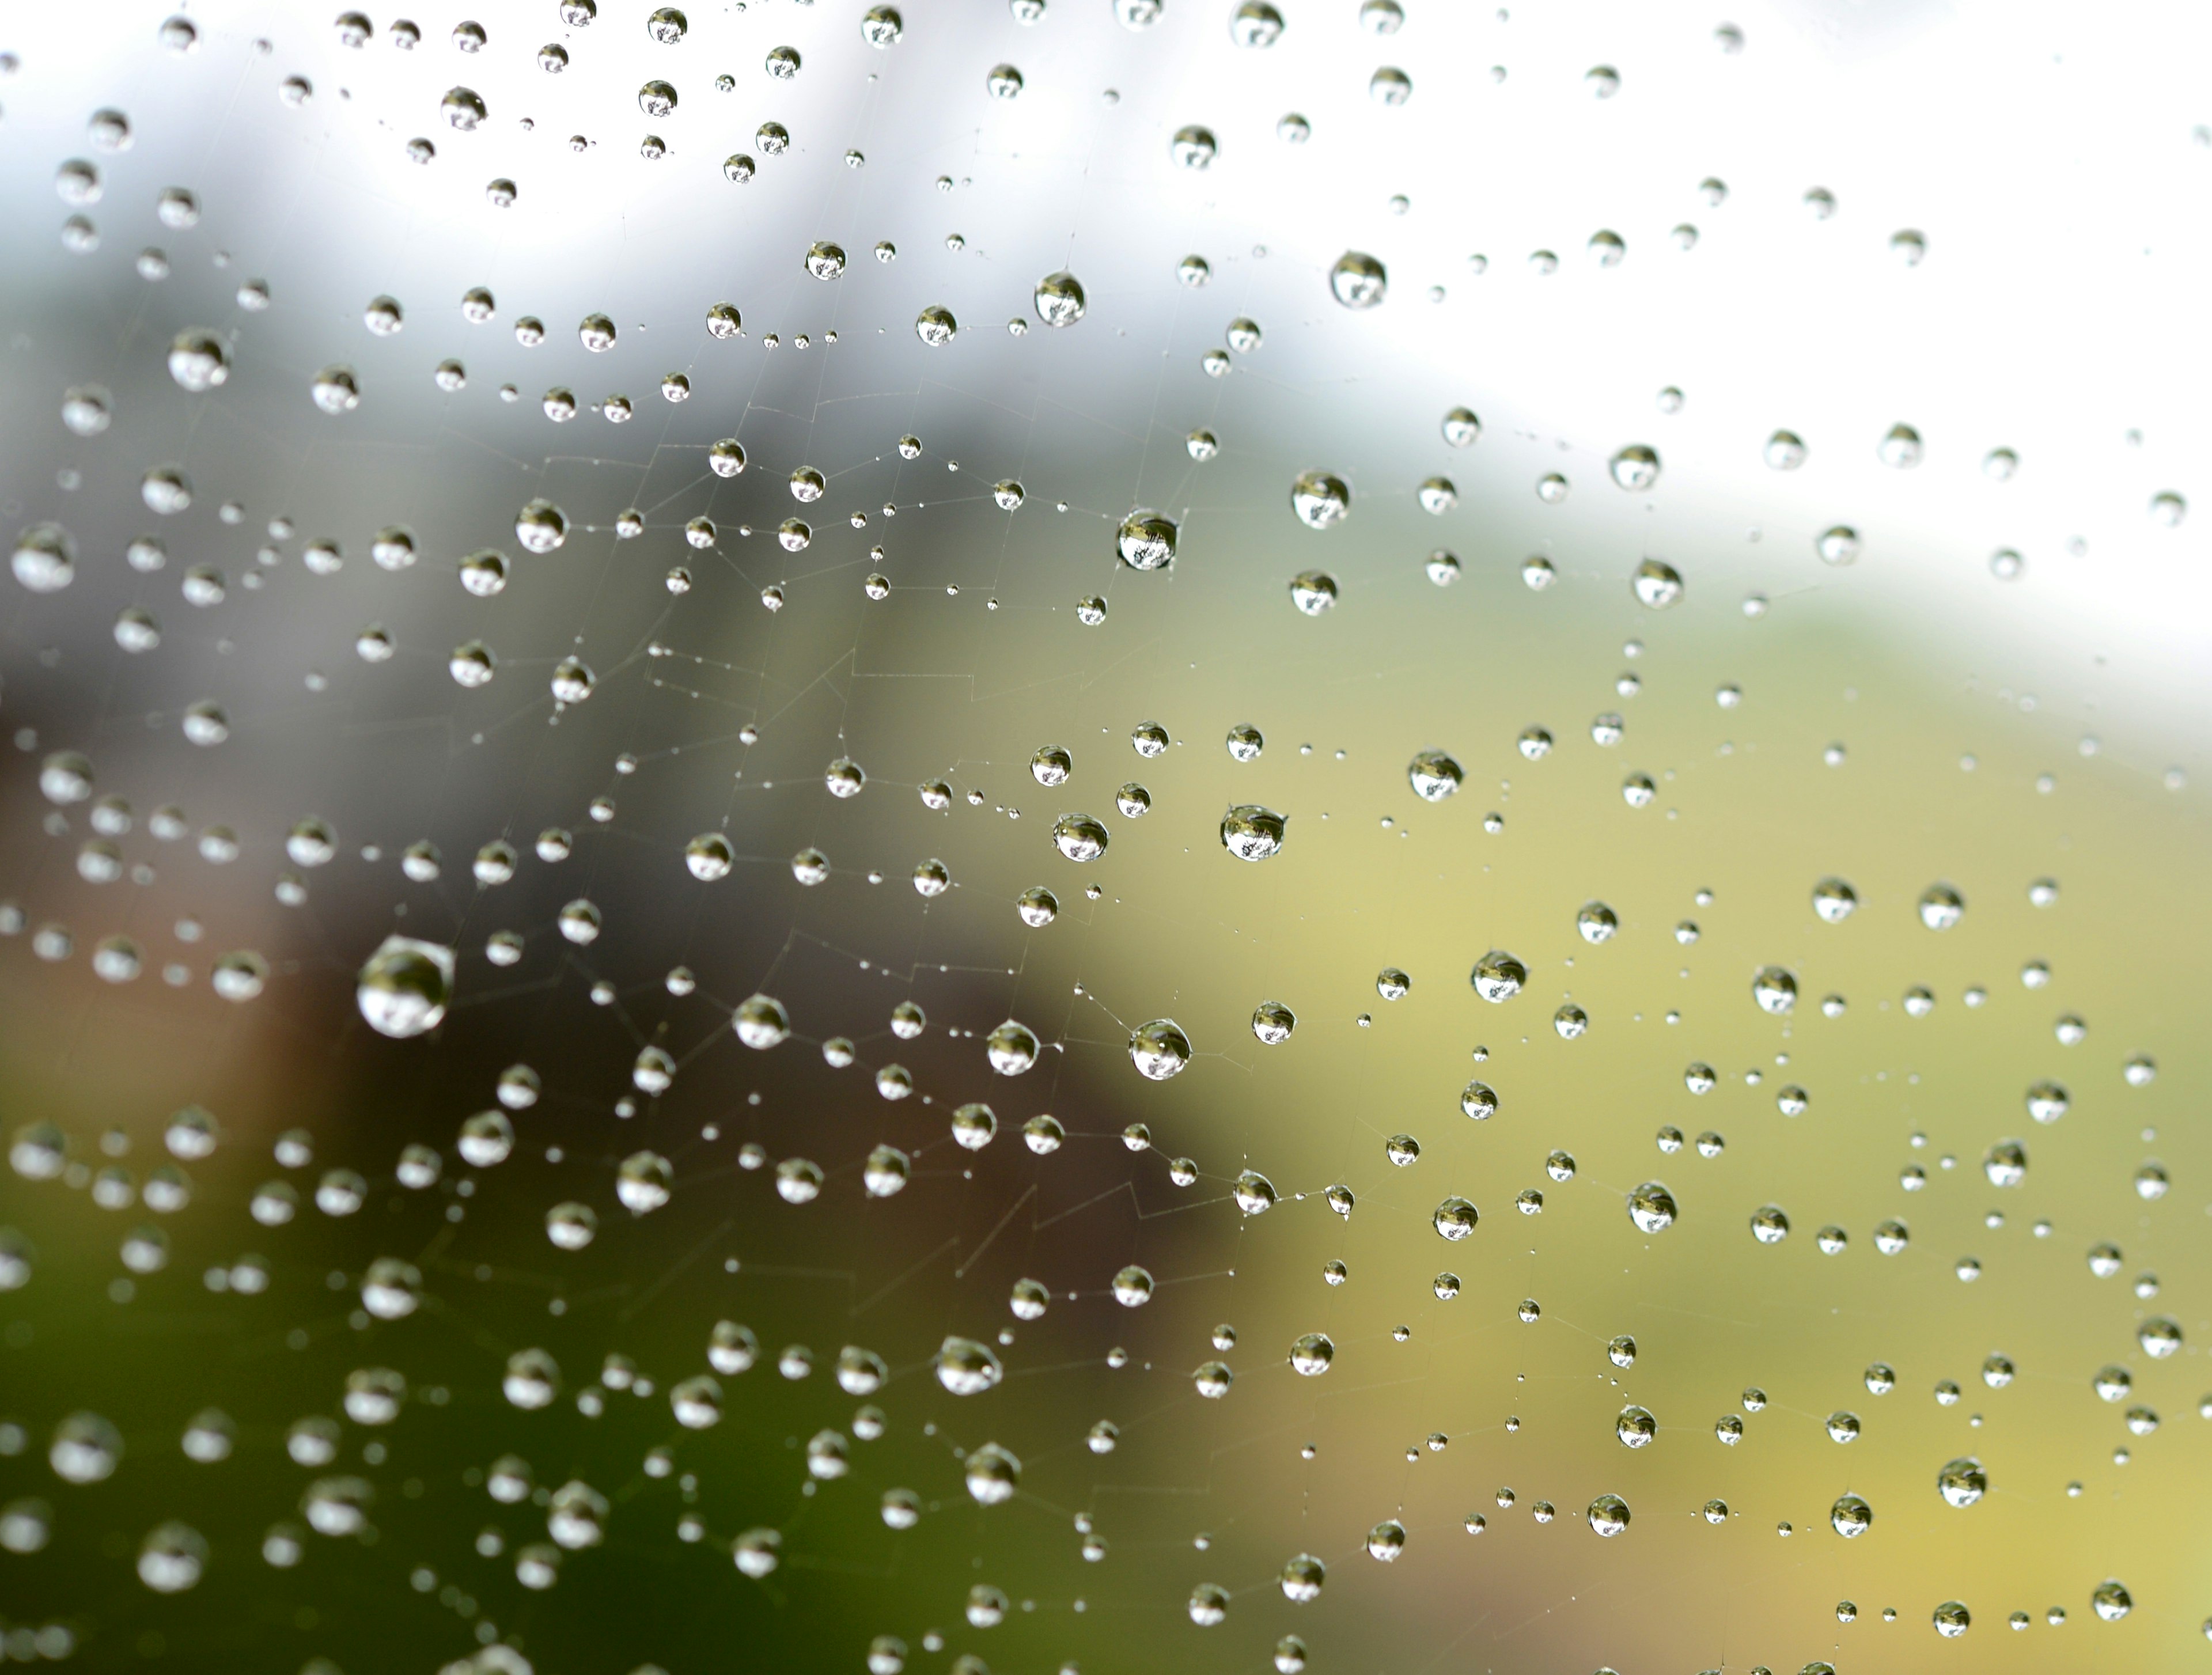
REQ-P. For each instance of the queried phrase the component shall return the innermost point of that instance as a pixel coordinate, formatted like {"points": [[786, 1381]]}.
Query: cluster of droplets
{"points": [[406, 987]]}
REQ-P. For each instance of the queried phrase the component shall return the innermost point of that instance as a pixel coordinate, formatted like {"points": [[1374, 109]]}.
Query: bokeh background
{"points": [[1910, 716]]}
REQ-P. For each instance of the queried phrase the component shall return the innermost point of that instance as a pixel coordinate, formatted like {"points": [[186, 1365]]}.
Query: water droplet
{"points": [[1358, 281], [1499, 976], [1320, 499], [1058, 298], [1657, 584], [1636, 468], [1194, 147], [199, 360], [403, 989], [1313, 591], [935, 326], [1434, 775], [1651, 1207], [1900, 448], [1252, 832], [1962, 1482], [1080, 837], [1145, 540], [1455, 1218], [1389, 86], [1941, 907]]}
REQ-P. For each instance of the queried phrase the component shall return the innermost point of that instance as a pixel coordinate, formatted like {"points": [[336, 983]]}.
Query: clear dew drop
{"points": [[1255, 24], [1434, 775], [1145, 540], [404, 988], [1358, 281], [1058, 298], [1775, 990], [1313, 591], [1656, 584], [199, 360], [1194, 147], [1901, 449], [1941, 906], [1080, 837], [1636, 468], [1321, 500], [1251, 832], [1499, 976], [1159, 1049], [1834, 901], [1962, 1482], [1651, 1207]]}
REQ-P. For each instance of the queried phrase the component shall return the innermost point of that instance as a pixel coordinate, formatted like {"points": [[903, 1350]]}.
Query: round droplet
{"points": [[761, 1022], [403, 989], [44, 558], [1255, 23], [199, 360], [1159, 1049], [1320, 499], [1080, 837], [1194, 147], [1058, 298], [1499, 976], [1651, 1207], [541, 526], [1051, 765], [1012, 1048], [1360, 281], [2005, 1163], [1774, 989], [1962, 1482], [993, 1475], [1839, 546], [2159, 1338], [966, 1368], [1636, 468], [1785, 450], [1941, 906], [1252, 832], [1313, 591], [1455, 1218], [1434, 775], [1833, 900], [1145, 540], [1657, 584]]}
